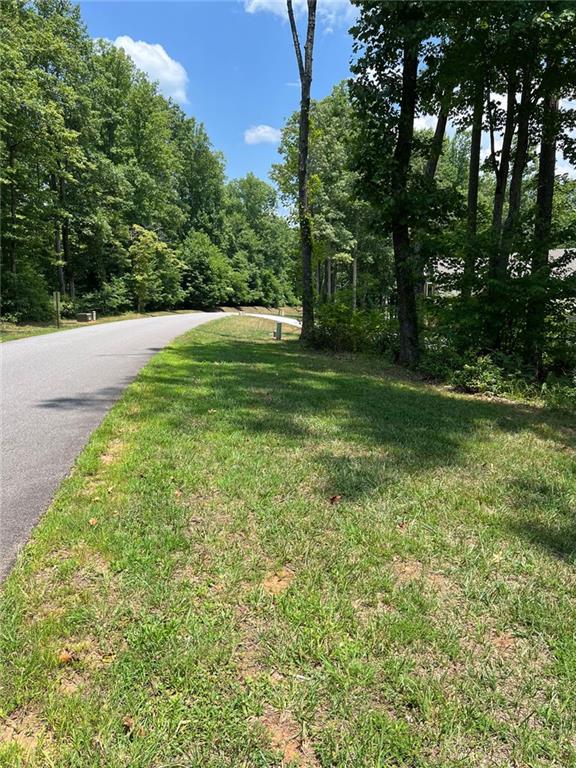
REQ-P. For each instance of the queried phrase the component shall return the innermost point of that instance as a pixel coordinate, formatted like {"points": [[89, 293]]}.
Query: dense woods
{"points": [[435, 194], [111, 194]]}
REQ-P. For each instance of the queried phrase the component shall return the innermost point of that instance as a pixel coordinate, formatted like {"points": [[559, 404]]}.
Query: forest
{"points": [[110, 194], [440, 211]]}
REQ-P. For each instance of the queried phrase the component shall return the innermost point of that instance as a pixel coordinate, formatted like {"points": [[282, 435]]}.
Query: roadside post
{"points": [[56, 297], [278, 332]]}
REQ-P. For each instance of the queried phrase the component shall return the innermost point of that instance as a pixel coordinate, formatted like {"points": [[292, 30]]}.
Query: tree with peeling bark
{"points": [[304, 60]]}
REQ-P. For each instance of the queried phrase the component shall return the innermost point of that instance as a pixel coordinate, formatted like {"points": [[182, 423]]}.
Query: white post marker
{"points": [[278, 332]]}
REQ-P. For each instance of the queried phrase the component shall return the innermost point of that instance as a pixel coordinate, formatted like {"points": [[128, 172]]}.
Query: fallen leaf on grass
{"points": [[130, 727], [335, 499], [65, 656], [93, 521]]}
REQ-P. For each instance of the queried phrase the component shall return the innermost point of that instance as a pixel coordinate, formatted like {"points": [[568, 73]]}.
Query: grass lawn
{"points": [[267, 556]]}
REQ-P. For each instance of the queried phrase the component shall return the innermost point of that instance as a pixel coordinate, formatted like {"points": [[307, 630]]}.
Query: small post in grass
{"points": [[56, 297], [278, 332]]}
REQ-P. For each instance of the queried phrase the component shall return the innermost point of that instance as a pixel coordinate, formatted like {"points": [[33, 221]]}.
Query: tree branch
{"points": [[296, 40]]}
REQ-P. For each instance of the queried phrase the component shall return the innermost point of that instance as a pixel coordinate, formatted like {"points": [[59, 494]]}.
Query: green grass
{"points": [[12, 331], [195, 598]]}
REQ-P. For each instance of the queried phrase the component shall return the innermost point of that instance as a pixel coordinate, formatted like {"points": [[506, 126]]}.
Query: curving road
{"points": [[55, 390]]}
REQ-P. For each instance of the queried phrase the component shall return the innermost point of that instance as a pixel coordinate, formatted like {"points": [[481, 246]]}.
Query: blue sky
{"points": [[229, 63]]}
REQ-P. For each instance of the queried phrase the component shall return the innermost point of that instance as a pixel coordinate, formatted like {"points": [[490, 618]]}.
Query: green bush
{"points": [[25, 296], [482, 376], [560, 394], [113, 298], [340, 329], [439, 357]]}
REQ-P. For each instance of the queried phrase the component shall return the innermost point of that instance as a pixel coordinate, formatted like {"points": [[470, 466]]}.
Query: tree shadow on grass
{"points": [[391, 425], [545, 515]]}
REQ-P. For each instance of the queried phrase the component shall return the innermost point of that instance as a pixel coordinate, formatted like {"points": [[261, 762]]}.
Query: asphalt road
{"points": [[55, 390]]}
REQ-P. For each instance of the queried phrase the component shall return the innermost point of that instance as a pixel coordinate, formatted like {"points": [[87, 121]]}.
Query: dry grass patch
{"points": [[25, 729], [114, 451], [286, 739], [277, 581]]}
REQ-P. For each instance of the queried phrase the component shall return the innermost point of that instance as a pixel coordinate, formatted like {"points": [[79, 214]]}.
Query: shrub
{"points": [[67, 308], [560, 395], [25, 296], [439, 357], [482, 376], [340, 329], [113, 298]]}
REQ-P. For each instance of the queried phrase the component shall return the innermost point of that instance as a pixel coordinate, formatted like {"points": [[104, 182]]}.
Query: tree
{"points": [[392, 37], [208, 275], [305, 73], [155, 270]]}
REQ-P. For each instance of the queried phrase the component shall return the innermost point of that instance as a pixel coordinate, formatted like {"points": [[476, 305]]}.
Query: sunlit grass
{"points": [[268, 554]]}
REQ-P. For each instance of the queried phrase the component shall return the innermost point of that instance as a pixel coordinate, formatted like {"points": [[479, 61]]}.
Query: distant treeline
{"points": [[111, 194]]}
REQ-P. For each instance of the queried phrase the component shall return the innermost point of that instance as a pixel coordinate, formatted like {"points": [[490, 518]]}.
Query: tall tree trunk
{"points": [[305, 71], [437, 141], [57, 236], [520, 159], [503, 167], [12, 240], [429, 173], [329, 289], [58, 252], [403, 257], [536, 306], [473, 185], [65, 226], [354, 282], [497, 266]]}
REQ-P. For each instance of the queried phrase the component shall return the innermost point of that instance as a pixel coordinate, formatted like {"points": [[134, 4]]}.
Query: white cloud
{"points": [[331, 13], [564, 166], [152, 59], [428, 123], [262, 134], [425, 123]]}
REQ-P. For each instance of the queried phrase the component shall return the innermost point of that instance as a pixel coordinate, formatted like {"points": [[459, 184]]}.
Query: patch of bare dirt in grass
{"points": [[72, 681], [114, 450], [248, 652], [406, 570], [83, 654], [186, 574], [277, 581], [91, 573], [249, 666], [285, 737], [366, 610], [25, 728], [49, 586], [462, 751]]}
